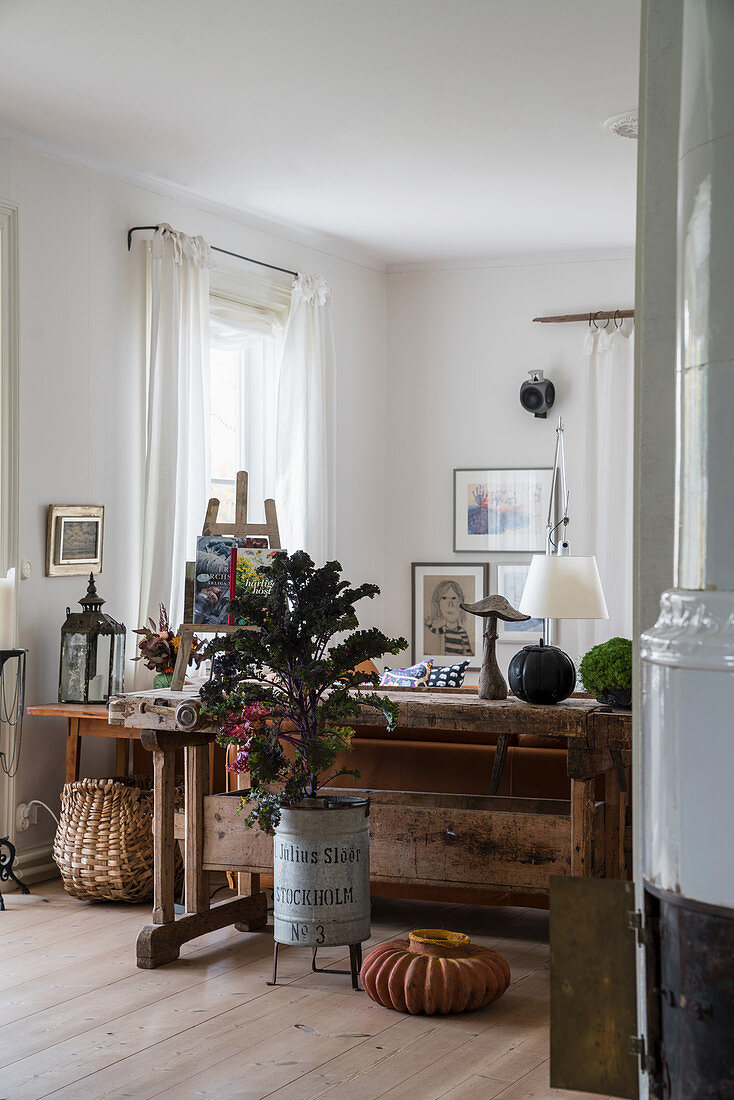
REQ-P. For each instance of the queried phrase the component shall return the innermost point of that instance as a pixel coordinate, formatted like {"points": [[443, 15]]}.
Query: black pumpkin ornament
{"points": [[541, 674]]}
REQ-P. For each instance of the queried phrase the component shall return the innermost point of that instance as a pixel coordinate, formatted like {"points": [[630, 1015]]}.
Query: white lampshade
{"points": [[563, 587]]}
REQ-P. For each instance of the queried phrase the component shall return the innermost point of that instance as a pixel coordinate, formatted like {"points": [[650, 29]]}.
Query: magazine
{"points": [[212, 575], [243, 576]]}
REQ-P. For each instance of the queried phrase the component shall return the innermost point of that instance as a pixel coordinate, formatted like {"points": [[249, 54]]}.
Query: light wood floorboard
{"points": [[78, 1019]]}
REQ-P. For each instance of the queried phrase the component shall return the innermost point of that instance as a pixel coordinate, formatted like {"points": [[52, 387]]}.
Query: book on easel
{"points": [[239, 534], [213, 574], [244, 573]]}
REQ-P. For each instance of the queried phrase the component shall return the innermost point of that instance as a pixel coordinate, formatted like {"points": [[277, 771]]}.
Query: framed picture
{"points": [[74, 535], [441, 630], [501, 510], [511, 579]]}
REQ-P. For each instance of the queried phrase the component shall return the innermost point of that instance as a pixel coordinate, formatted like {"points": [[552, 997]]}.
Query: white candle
{"points": [[7, 610]]}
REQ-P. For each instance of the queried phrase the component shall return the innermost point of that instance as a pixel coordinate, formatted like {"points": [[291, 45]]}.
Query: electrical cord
{"points": [[12, 707], [37, 802]]}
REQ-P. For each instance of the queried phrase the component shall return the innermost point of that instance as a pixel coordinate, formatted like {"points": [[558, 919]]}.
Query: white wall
{"points": [[82, 353], [460, 342]]}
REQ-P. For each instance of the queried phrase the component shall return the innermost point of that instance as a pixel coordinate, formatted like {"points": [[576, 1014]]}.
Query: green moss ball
{"points": [[607, 667]]}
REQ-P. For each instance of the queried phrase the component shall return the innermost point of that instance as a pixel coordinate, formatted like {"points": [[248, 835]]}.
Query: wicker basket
{"points": [[104, 843]]}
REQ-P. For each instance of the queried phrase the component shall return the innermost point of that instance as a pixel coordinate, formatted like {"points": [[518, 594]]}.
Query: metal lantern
{"points": [[92, 652]]}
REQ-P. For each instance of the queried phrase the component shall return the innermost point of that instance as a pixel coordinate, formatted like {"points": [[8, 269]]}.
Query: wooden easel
{"points": [[239, 529]]}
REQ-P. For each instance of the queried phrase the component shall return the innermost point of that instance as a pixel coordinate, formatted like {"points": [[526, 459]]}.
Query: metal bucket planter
{"points": [[321, 877]]}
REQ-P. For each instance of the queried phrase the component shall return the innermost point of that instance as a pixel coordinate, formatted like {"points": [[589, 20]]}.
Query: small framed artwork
{"points": [[501, 510], [74, 534], [442, 631], [511, 579]]}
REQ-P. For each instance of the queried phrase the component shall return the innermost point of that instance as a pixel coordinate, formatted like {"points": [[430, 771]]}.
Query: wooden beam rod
{"points": [[600, 315]]}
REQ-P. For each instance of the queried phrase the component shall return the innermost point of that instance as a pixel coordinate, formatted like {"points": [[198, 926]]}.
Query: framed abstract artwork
{"points": [[501, 510], [443, 632], [511, 579]]}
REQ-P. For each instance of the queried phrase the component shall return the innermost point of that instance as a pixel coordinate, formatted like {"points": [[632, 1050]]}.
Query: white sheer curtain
{"points": [[609, 478], [176, 474], [305, 472]]}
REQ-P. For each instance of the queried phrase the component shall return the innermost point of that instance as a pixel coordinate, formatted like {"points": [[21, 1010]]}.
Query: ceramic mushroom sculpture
{"points": [[491, 681]]}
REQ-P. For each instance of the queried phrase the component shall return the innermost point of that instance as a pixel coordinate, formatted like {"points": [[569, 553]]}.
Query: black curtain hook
{"points": [[621, 322]]}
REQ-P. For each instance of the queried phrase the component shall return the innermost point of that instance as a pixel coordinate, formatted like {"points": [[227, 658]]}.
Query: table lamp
{"points": [[560, 585]]}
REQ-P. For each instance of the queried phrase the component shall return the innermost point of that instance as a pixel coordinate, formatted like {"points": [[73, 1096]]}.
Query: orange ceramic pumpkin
{"points": [[435, 971]]}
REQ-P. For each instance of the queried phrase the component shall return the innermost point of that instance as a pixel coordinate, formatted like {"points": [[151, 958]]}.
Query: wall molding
{"points": [[9, 440], [539, 259]]}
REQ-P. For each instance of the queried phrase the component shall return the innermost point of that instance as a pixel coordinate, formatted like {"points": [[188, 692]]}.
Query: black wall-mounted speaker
{"points": [[537, 395]]}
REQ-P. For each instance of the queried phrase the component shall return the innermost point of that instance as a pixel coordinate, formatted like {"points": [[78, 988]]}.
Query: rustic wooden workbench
{"points": [[476, 845]]}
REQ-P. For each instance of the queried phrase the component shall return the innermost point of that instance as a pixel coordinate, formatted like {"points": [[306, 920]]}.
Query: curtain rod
{"points": [[599, 315], [224, 251]]}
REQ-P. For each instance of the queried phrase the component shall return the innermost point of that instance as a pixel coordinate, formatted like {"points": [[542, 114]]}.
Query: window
{"points": [[247, 320], [244, 389]]}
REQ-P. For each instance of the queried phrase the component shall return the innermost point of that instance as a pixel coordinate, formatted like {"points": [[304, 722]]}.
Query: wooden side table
{"points": [[87, 720], [92, 720]]}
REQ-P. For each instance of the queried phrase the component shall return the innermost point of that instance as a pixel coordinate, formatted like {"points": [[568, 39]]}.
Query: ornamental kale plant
{"points": [[607, 667], [282, 693]]}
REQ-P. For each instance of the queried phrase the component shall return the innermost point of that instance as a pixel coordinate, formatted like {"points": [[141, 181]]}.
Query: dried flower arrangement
{"points": [[158, 648]]}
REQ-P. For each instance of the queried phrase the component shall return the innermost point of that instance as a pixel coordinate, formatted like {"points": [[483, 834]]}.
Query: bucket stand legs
{"points": [[276, 945], [355, 964]]}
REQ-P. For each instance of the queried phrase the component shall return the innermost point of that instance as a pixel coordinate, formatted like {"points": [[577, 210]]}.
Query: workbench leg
{"points": [[73, 746], [259, 919], [583, 800], [164, 849], [245, 882], [160, 942], [212, 748], [626, 858], [121, 755], [196, 760], [615, 804], [248, 883]]}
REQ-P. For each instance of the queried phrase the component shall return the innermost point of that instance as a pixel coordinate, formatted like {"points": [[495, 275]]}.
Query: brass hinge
{"points": [[639, 1047], [646, 930], [636, 923]]}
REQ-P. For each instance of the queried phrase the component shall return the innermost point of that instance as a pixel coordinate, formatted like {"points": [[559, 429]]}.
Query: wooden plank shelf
{"points": [[471, 841]]}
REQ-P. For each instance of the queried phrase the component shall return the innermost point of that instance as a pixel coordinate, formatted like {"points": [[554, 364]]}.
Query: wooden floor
{"points": [[78, 1019]]}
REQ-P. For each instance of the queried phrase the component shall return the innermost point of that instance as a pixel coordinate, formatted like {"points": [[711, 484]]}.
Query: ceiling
{"points": [[411, 130]]}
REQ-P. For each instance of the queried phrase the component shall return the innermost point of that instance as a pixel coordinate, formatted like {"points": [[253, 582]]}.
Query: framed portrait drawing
{"points": [[441, 630], [511, 579], [501, 510], [74, 534]]}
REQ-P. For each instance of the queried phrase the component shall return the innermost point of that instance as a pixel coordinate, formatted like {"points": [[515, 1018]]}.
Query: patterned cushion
{"points": [[415, 676], [448, 676]]}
